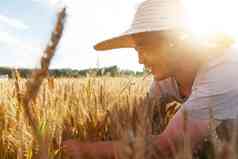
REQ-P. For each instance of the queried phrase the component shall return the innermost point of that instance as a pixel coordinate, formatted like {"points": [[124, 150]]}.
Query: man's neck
{"points": [[185, 80]]}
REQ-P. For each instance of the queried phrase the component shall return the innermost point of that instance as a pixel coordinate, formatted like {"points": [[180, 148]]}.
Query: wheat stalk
{"points": [[37, 77]]}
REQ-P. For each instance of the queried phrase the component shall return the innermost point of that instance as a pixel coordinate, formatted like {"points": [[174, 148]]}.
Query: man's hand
{"points": [[73, 148], [77, 149]]}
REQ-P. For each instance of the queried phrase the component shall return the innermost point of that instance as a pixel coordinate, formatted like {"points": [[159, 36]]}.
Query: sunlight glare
{"points": [[205, 17]]}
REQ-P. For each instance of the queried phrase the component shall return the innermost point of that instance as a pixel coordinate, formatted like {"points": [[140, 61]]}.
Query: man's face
{"points": [[154, 52]]}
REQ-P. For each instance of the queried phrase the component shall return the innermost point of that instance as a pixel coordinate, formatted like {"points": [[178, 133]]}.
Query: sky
{"points": [[25, 27]]}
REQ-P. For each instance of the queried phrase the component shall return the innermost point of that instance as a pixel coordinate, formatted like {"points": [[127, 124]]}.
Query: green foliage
{"points": [[112, 71]]}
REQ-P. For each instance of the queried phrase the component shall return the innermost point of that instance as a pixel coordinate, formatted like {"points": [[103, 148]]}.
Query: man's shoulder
{"points": [[219, 76]]}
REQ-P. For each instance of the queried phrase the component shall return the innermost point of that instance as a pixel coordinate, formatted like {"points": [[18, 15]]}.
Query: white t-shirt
{"points": [[215, 89]]}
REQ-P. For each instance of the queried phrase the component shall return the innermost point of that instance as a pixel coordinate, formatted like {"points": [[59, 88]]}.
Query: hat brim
{"points": [[124, 41]]}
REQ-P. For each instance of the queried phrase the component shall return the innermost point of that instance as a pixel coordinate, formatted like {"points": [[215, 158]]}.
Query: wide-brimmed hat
{"points": [[151, 15]]}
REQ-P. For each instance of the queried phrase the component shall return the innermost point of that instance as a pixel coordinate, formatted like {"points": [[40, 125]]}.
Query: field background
{"points": [[91, 109], [88, 109]]}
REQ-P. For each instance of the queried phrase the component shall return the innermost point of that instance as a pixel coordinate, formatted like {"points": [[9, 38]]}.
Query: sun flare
{"points": [[205, 17]]}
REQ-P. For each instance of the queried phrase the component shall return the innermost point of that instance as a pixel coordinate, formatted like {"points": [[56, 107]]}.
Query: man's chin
{"points": [[159, 78]]}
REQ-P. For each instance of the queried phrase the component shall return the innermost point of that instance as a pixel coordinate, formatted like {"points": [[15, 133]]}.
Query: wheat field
{"points": [[86, 109], [89, 109]]}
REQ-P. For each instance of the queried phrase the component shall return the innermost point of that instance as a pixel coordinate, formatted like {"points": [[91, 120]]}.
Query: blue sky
{"points": [[24, 29], [25, 26]]}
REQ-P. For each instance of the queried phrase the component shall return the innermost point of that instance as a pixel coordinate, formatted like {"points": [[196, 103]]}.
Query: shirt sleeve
{"points": [[164, 88], [215, 93], [154, 89]]}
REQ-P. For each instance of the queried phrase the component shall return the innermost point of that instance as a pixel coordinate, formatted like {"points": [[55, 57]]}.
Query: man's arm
{"points": [[195, 130]]}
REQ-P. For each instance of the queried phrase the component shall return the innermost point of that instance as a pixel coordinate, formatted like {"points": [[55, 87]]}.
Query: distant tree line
{"points": [[112, 71]]}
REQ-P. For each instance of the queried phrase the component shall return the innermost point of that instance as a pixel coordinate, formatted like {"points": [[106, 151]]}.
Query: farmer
{"points": [[200, 74]]}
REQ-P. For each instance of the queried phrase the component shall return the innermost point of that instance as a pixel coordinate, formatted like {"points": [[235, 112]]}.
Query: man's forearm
{"points": [[108, 150], [163, 145], [99, 150]]}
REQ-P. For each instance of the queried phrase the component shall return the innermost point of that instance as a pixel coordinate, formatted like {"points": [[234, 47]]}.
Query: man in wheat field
{"points": [[202, 77]]}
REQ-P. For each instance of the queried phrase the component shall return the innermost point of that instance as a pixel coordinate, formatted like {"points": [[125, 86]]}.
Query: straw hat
{"points": [[151, 15]]}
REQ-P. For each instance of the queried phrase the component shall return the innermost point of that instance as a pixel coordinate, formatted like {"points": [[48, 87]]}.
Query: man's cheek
{"points": [[152, 59]]}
